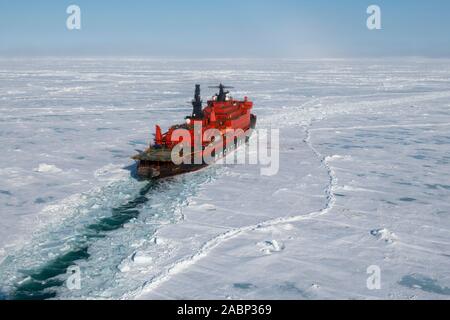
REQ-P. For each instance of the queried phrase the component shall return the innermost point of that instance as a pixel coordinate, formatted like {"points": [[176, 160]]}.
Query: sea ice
{"points": [[364, 158]]}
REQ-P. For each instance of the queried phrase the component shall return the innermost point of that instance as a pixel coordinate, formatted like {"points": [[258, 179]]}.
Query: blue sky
{"points": [[231, 28]]}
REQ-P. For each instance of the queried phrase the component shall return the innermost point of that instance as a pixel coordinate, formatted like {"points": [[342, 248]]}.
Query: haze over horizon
{"points": [[214, 29]]}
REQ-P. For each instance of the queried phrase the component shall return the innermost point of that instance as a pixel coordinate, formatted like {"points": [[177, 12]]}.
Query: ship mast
{"points": [[197, 112]]}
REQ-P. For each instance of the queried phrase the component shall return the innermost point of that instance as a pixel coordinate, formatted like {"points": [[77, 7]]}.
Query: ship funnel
{"points": [[158, 136], [197, 112]]}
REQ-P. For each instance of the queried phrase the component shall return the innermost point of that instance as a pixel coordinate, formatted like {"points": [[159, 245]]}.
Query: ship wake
{"points": [[97, 230]]}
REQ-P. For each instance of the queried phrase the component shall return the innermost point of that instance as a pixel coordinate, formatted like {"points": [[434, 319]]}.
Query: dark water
{"points": [[424, 283], [43, 281]]}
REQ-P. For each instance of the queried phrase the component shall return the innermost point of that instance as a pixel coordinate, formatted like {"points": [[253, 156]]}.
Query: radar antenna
{"points": [[222, 95]]}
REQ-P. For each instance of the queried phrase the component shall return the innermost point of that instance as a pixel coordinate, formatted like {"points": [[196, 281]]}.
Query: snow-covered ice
{"points": [[363, 180]]}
